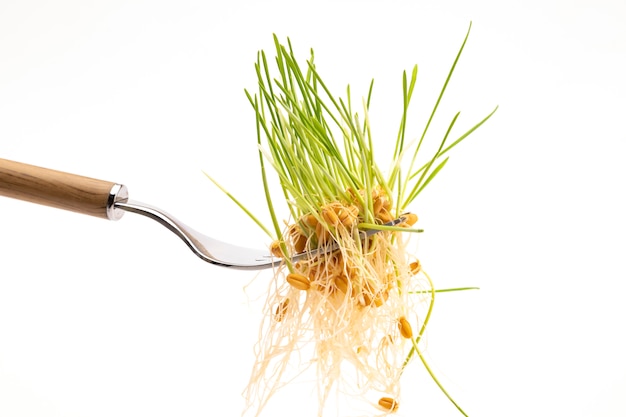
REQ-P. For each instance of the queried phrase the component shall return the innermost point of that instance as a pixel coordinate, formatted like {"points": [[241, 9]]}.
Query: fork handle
{"points": [[61, 190]]}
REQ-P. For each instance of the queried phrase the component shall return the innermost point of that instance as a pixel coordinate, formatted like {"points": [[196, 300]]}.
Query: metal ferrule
{"points": [[118, 194]]}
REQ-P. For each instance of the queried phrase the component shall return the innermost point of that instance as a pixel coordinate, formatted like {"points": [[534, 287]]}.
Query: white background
{"points": [[103, 318]]}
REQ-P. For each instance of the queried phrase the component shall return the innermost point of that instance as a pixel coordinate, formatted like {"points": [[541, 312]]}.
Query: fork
{"points": [[110, 201]]}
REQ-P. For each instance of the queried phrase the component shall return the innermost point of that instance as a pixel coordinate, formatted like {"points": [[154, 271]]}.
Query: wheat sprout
{"points": [[355, 307]]}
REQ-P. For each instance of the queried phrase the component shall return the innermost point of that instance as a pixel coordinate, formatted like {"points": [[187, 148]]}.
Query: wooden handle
{"points": [[55, 188]]}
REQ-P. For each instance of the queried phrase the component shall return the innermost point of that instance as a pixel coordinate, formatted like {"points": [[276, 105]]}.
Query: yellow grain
{"points": [[310, 220], [299, 241], [415, 267], [405, 328], [378, 205], [388, 403], [281, 310], [275, 249], [322, 233], [410, 218], [298, 281], [329, 215], [341, 282], [384, 216]]}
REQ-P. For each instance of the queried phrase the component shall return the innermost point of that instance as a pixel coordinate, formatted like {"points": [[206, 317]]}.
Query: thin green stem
{"points": [[445, 290], [434, 110], [424, 323], [415, 347], [432, 375], [241, 206]]}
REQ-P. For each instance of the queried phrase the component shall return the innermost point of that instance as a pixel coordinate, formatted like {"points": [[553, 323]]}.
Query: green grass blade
{"points": [[241, 206]]}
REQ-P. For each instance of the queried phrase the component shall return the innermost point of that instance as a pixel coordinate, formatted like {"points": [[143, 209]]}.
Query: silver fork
{"points": [[110, 201]]}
